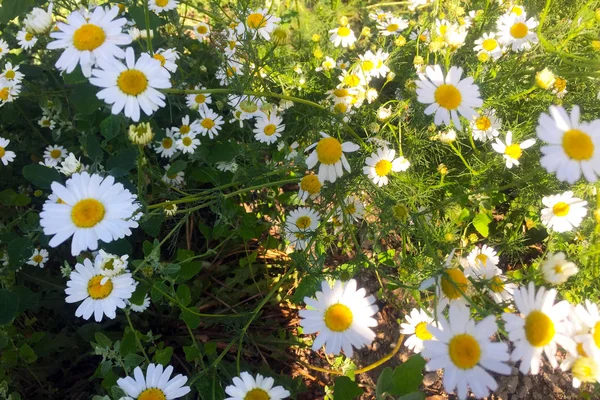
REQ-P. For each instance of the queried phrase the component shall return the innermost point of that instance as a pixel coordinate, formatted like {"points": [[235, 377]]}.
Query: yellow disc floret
{"points": [[98, 290], [448, 96], [88, 37], [338, 317], [464, 351], [578, 145], [539, 329], [329, 150], [87, 213], [132, 82]]}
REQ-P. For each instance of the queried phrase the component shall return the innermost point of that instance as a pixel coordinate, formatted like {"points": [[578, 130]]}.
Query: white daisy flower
{"points": [[156, 385], [197, 101], [464, 350], [159, 6], [563, 212], [88, 37], [343, 317], [442, 26], [448, 97], [392, 26], [110, 264], [380, 15], [538, 327], [422, 35], [6, 156], [343, 64], [187, 128], [227, 166], [4, 49], [584, 370], [329, 152], [210, 122], [327, 64], [38, 258], [188, 143], [556, 269], [573, 147], [309, 187], [380, 70], [101, 295], [54, 154], [140, 307], [174, 179], [486, 125], [416, 326], [71, 165], [166, 147], [589, 316], [39, 20], [353, 80], [353, 208], [246, 387], [248, 106], [451, 286], [511, 152], [380, 164], [516, 9], [517, 32], [299, 224], [342, 36], [170, 209], [258, 22], [268, 128], [9, 91], [482, 263], [93, 208], [11, 73], [47, 122], [202, 31], [26, 39], [500, 290], [168, 58], [489, 45], [131, 86]]}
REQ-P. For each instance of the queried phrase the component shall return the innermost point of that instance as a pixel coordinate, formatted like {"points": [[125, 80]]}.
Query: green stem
{"points": [[148, 30], [457, 152], [137, 339]]}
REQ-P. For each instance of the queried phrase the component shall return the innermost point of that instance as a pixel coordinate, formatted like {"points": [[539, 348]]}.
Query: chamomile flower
{"points": [[309, 187], [299, 225], [342, 36], [585, 370], [166, 147], [422, 35], [9, 91], [246, 387], [416, 326], [379, 15], [343, 64], [159, 6], [141, 133], [268, 128], [26, 39], [188, 143], [342, 316], [38, 258], [227, 166], [101, 295], [197, 101], [489, 45], [248, 106], [511, 152], [4, 49], [563, 212], [110, 264], [175, 179], [556, 269], [537, 328], [156, 385], [517, 32], [451, 285], [329, 152], [392, 26], [352, 208], [573, 147], [54, 154], [186, 128], [258, 23], [167, 57], [133, 85], [140, 307], [202, 31], [93, 208], [327, 64], [590, 318], [464, 350], [11, 73], [210, 122], [353, 80], [483, 262], [88, 37], [448, 97], [39, 20], [442, 26], [6, 156], [486, 125], [170, 209], [383, 162], [500, 290], [71, 165]]}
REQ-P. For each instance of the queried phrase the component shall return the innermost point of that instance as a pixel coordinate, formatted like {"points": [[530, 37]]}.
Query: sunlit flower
{"points": [[511, 152], [517, 32], [156, 385], [55, 154], [326, 65], [11, 73], [489, 45], [545, 78], [210, 122], [6, 156], [26, 39], [159, 6], [309, 187], [590, 319], [482, 263], [379, 15], [486, 125], [416, 326], [268, 128], [9, 91], [299, 226], [202, 31], [38, 258], [329, 152], [421, 34], [352, 208], [451, 285], [166, 147], [556, 269], [382, 163], [563, 212], [342, 36], [167, 58], [246, 387], [392, 26], [258, 22]]}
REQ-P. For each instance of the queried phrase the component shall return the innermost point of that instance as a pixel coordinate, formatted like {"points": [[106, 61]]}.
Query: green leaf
{"points": [[172, 269], [19, 250], [110, 127], [27, 354], [407, 377], [137, 14], [177, 166], [41, 176], [191, 353], [124, 159], [119, 247], [346, 389], [74, 77], [132, 360], [413, 396], [189, 318], [384, 383], [222, 152], [84, 99], [481, 222], [140, 292], [102, 340], [184, 294], [93, 148], [8, 307], [128, 342], [163, 356], [151, 224], [14, 8]]}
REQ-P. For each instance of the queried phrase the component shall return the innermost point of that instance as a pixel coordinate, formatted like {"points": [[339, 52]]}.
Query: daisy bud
{"points": [[38, 193], [366, 32], [390, 76], [344, 21], [545, 78], [442, 169], [449, 237], [316, 37], [141, 134], [170, 209], [448, 136], [373, 127], [596, 45], [400, 41], [400, 211], [384, 113], [483, 57], [418, 60], [318, 53], [279, 36], [473, 237]]}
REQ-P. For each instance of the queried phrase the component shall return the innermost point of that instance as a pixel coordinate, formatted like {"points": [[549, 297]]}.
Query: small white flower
{"points": [[140, 307], [54, 154], [246, 387], [383, 162], [300, 224], [110, 264], [167, 58], [202, 31], [392, 26], [329, 152], [486, 125], [309, 187], [159, 6], [200, 100], [188, 143], [511, 152], [258, 23], [38, 258], [210, 122], [416, 326], [517, 32], [268, 128], [167, 146], [157, 384], [6, 156], [26, 39], [173, 179], [563, 212], [556, 269], [342, 36]]}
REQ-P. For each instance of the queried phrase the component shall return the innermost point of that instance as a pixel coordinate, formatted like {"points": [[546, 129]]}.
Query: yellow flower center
{"points": [[2, 152], [87, 213], [97, 290], [392, 27], [482, 258], [454, 283], [367, 65], [578, 145], [270, 129], [38, 259], [585, 369], [497, 285], [340, 92], [160, 58], [132, 82], [421, 331], [201, 29], [560, 84], [448, 96], [207, 123], [596, 334], [352, 80], [88, 37], [514, 151], [303, 222], [55, 153], [519, 30], [200, 98], [351, 209], [483, 123], [310, 184], [167, 143], [4, 92], [343, 31], [256, 21], [10, 74], [153, 393], [489, 44], [257, 394], [186, 141], [46, 122], [338, 317], [539, 329], [517, 10], [464, 351], [340, 108], [162, 3], [184, 129], [28, 36], [383, 167], [560, 209], [329, 150]]}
